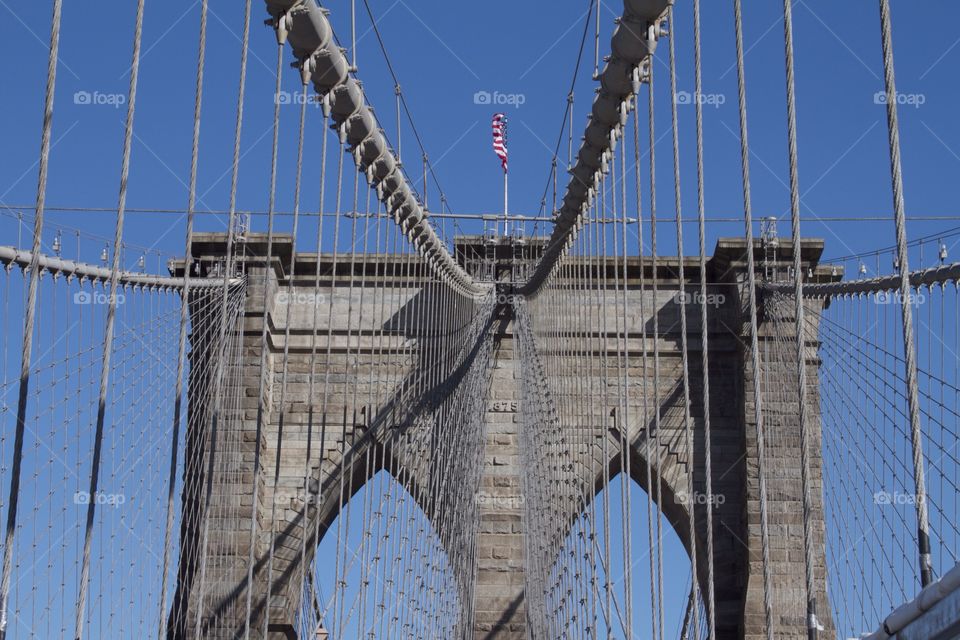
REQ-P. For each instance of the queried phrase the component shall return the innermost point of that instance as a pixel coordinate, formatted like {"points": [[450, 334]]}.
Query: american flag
{"points": [[500, 138]]}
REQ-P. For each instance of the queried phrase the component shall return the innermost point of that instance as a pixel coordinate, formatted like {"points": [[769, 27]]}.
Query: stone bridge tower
{"points": [[498, 611]]}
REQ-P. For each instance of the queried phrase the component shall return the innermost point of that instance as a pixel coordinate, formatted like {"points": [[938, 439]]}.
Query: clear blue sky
{"points": [[446, 52]]}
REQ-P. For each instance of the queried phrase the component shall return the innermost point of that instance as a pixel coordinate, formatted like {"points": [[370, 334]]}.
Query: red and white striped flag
{"points": [[500, 138]]}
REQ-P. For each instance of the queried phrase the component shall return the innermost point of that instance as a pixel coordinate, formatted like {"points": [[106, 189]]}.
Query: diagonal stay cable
{"points": [[567, 116], [406, 107]]}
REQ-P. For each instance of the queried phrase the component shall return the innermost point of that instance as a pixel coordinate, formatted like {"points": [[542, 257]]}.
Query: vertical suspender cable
{"points": [[316, 307], [370, 408], [264, 352], [704, 326], [625, 420], [603, 348], [291, 265], [353, 35], [224, 303], [754, 338], [684, 346], [184, 308], [658, 476], [553, 211], [397, 91], [350, 413], [596, 44], [312, 498], [913, 393], [234, 179], [111, 320], [648, 452], [426, 167], [29, 318], [800, 327], [329, 351], [589, 287], [570, 130]]}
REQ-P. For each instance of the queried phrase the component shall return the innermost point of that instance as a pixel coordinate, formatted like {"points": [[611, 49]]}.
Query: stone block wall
{"points": [[314, 433]]}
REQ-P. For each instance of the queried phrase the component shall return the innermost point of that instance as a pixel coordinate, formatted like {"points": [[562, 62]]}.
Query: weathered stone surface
{"points": [[340, 375]]}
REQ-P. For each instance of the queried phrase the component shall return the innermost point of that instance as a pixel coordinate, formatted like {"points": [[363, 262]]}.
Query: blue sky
{"points": [[445, 53], [360, 553]]}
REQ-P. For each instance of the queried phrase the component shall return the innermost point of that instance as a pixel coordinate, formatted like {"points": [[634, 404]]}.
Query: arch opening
{"points": [[621, 565], [380, 564]]}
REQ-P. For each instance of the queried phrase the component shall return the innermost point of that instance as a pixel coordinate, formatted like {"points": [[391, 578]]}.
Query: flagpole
{"points": [[500, 148], [505, 192]]}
